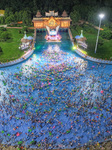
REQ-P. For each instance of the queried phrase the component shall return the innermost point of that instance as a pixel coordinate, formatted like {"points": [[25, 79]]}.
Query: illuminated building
{"points": [[51, 20]]}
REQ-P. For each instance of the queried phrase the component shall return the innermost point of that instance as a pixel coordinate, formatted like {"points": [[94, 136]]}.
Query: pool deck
{"points": [[105, 146], [78, 51]]}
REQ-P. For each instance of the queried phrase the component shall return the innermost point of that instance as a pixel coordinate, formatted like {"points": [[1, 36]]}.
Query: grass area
{"points": [[103, 51], [10, 48]]}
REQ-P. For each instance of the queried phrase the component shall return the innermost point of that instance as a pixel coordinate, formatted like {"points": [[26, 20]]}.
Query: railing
{"points": [[70, 34]]}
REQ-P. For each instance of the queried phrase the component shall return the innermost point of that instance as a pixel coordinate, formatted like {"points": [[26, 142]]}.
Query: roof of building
{"points": [[38, 15], [46, 18], [26, 38], [64, 14], [51, 13], [82, 39]]}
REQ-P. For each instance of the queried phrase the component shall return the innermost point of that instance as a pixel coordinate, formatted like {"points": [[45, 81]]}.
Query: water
{"points": [[55, 97]]}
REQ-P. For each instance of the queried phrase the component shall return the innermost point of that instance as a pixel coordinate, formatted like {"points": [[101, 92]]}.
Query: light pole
{"points": [[101, 16]]}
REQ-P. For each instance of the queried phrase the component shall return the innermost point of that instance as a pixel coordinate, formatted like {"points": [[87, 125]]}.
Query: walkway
{"points": [[19, 27], [3, 26], [6, 26], [82, 22]]}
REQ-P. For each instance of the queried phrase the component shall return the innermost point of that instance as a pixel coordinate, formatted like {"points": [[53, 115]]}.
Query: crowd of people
{"points": [[56, 101]]}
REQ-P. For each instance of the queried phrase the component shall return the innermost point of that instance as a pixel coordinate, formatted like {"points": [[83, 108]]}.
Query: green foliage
{"points": [[100, 41], [106, 34], [83, 10], [76, 30], [10, 19], [75, 16], [25, 10], [20, 15], [108, 3], [110, 25], [2, 29], [26, 17], [1, 49], [8, 11], [11, 47], [19, 31], [104, 49], [89, 29], [5, 35], [25, 28], [83, 6], [92, 16], [2, 20]]}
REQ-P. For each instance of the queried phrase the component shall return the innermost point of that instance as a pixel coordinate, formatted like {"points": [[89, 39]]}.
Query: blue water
{"points": [[55, 98]]}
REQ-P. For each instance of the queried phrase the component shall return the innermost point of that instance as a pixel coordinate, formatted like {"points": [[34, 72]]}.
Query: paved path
{"points": [[96, 27], [6, 26], [3, 25], [19, 27]]}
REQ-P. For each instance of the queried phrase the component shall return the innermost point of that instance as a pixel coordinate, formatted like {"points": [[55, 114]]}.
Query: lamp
{"points": [[101, 17]]}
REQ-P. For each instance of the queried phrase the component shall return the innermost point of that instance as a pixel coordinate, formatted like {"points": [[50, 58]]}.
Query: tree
{"points": [[90, 2], [92, 17], [2, 20], [25, 29], [35, 8], [106, 34], [100, 41], [8, 12], [2, 29], [26, 18], [75, 16], [16, 16], [60, 6], [10, 19], [20, 15], [5, 36], [108, 3], [76, 2]]}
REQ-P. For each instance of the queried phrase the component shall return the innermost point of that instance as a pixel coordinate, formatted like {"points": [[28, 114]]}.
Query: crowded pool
{"points": [[55, 99]]}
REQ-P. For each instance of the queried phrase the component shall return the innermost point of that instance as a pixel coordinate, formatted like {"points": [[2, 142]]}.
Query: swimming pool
{"points": [[55, 98]]}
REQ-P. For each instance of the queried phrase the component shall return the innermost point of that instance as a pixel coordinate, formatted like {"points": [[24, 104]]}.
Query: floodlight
{"points": [[101, 16]]}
